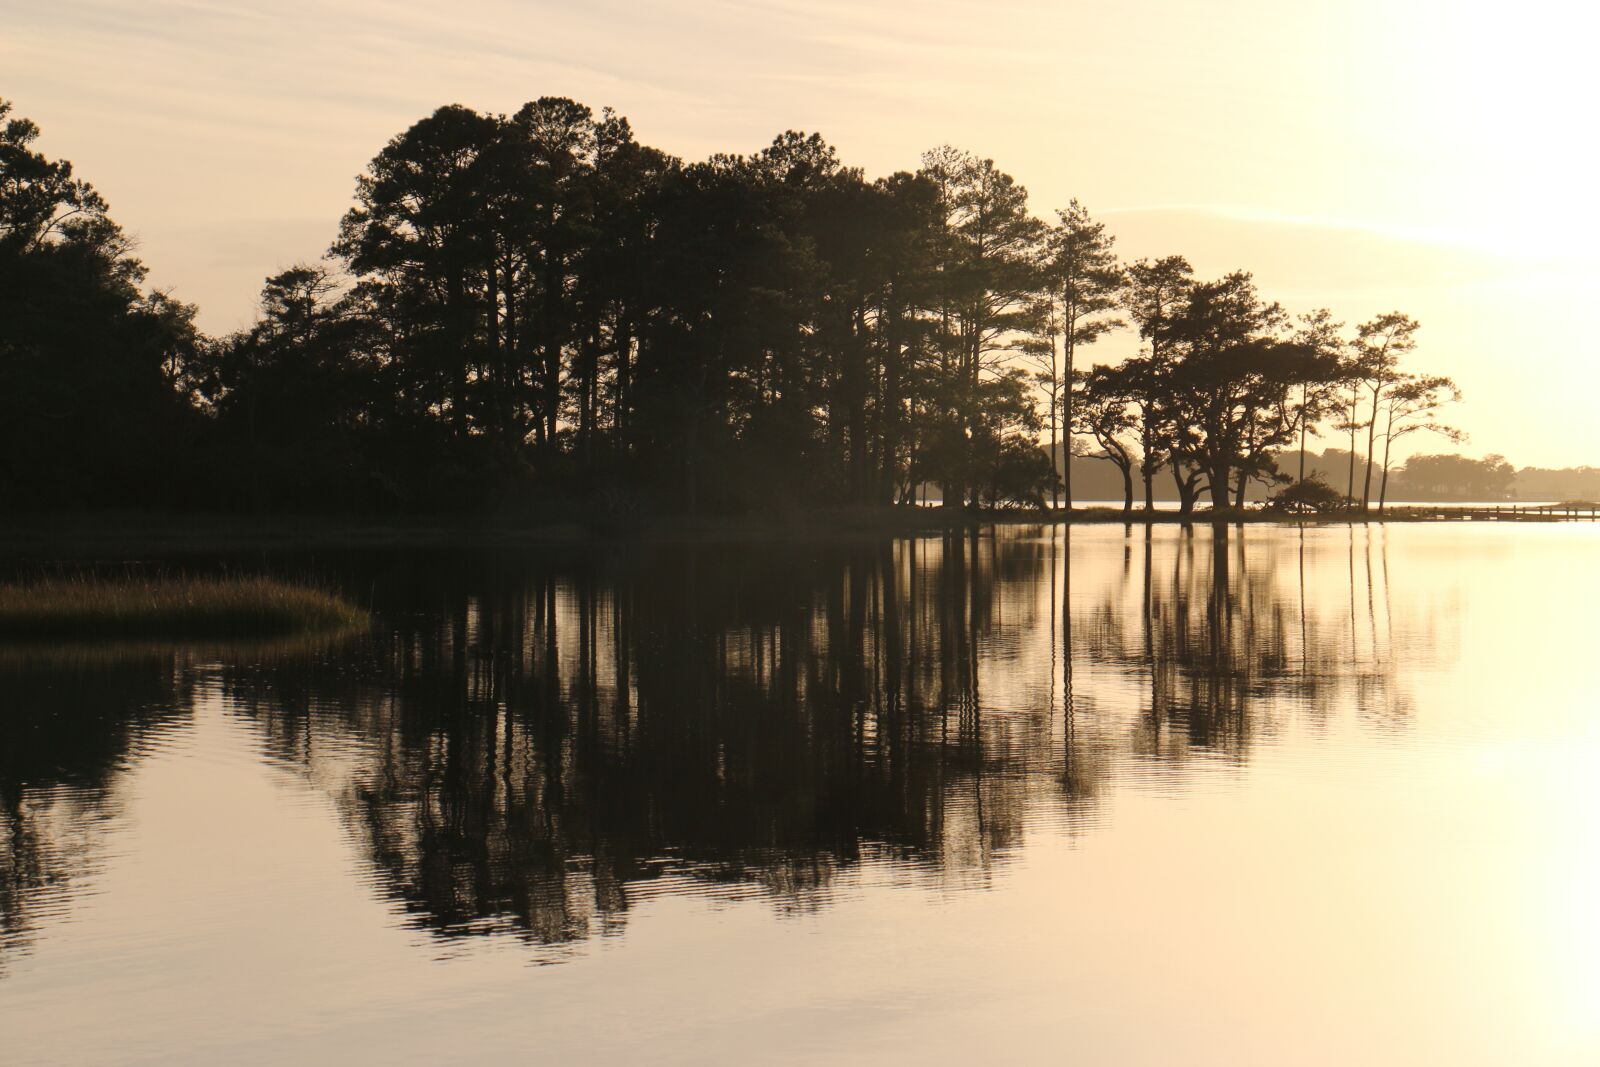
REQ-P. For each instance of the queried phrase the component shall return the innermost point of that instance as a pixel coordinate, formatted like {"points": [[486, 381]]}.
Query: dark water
{"points": [[1123, 797]]}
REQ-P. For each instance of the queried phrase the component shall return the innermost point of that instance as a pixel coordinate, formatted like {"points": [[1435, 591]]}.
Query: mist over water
{"points": [[1151, 795]]}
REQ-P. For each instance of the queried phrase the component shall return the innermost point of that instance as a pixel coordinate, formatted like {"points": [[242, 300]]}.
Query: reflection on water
{"points": [[67, 728], [527, 750], [522, 750]]}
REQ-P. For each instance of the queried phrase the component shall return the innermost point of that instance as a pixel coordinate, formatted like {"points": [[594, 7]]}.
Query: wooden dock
{"points": [[1570, 511]]}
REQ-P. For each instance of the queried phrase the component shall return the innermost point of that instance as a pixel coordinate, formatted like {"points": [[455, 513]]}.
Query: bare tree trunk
{"points": [[1372, 430], [893, 432], [1302, 432], [589, 373], [502, 387], [1066, 414], [1219, 486], [620, 418], [460, 327], [1055, 434], [1350, 488], [1055, 418], [1388, 440], [551, 349], [1147, 465]]}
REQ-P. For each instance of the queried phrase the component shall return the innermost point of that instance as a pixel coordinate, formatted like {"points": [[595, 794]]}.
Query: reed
{"points": [[90, 607]]}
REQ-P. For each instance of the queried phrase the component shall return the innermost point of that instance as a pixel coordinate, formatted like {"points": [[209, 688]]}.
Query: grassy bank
{"points": [[84, 607]]}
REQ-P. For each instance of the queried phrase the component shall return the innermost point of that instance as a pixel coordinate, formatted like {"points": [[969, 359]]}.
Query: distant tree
{"points": [[1311, 494], [1457, 477], [1567, 483]]}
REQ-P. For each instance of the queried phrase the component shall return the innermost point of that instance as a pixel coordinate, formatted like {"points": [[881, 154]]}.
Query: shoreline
{"points": [[79, 534]]}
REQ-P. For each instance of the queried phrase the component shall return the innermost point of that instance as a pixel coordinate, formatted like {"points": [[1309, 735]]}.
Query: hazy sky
{"points": [[1436, 157]]}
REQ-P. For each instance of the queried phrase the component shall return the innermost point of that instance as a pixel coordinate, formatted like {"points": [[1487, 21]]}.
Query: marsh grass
{"points": [[88, 607]]}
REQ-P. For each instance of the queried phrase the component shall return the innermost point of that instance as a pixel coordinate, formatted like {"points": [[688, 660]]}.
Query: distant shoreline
{"points": [[76, 535]]}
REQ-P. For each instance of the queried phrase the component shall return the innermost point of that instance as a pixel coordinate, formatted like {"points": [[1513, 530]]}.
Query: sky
{"points": [[1363, 155]]}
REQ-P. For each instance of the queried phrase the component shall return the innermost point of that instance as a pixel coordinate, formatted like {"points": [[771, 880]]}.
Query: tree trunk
{"points": [[1372, 430], [513, 362], [455, 296], [1147, 467], [1350, 487], [1220, 482], [552, 350], [1303, 421], [1066, 422], [893, 402], [1056, 454], [619, 417], [1388, 440], [974, 371], [1185, 500], [498, 406]]}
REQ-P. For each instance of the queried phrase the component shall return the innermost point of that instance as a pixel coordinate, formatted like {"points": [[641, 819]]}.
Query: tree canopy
{"points": [[536, 306]]}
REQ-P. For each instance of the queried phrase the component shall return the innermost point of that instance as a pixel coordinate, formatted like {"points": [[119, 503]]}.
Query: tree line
{"points": [[538, 306]]}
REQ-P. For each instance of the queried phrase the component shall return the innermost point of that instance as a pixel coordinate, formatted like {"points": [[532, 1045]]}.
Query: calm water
{"points": [[1121, 797]]}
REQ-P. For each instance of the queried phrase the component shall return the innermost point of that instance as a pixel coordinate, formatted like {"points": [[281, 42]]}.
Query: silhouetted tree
{"points": [[1104, 410], [537, 306], [1411, 405], [1378, 348], [1457, 477], [987, 263], [1231, 384], [1320, 339], [1083, 276], [91, 366], [1155, 292]]}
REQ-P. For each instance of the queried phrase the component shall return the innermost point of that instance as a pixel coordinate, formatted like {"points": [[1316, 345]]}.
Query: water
{"points": [[1123, 797]]}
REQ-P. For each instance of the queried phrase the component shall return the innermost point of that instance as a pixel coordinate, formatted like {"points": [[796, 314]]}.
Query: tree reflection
{"points": [[1226, 639], [69, 725], [530, 746], [742, 720]]}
